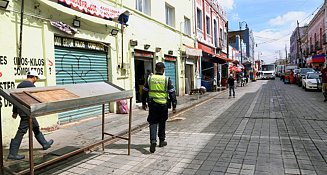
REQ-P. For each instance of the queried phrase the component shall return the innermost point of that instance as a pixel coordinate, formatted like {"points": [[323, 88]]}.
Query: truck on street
{"points": [[268, 72]]}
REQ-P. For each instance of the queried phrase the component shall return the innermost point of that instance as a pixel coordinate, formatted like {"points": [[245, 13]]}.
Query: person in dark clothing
{"points": [[231, 85], [32, 77], [156, 91], [324, 82]]}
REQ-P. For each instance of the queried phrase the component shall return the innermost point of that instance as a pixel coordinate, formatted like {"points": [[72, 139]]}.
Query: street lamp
{"points": [[241, 36]]}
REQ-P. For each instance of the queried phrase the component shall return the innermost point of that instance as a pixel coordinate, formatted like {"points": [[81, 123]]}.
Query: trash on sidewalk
{"points": [[201, 90]]}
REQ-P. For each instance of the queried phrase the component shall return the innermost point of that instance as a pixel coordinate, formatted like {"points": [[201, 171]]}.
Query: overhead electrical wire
{"points": [[277, 39]]}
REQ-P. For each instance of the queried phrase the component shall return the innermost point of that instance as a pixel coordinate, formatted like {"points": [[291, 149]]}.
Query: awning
{"points": [[205, 48], [73, 12], [316, 59], [223, 57], [235, 69], [209, 52]]}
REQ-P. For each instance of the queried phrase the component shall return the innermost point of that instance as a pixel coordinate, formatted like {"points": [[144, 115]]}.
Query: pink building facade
{"points": [[210, 23], [315, 40], [211, 34]]}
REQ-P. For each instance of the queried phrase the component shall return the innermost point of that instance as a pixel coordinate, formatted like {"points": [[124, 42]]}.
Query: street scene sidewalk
{"points": [[69, 137], [269, 128]]}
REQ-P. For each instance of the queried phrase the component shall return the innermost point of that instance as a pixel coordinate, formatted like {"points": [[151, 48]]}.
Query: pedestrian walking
{"points": [[324, 82], [231, 85], [32, 77], [156, 91]]}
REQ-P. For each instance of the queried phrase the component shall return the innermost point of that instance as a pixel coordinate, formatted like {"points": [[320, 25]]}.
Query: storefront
{"points": [[78, 61], [208, 67], [143, 62], [191, 67], [189, 75], [170, 70], [212, 67], [316, 61], [207, 62]]}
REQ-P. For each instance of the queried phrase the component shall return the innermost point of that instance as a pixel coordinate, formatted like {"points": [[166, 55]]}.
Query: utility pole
{"points": [[286, 60], [286, 54], [227, 40], [226, 25], [241, 41]]}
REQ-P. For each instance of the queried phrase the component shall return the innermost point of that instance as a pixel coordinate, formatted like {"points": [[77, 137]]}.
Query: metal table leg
{"points": [[129, 126], [103, 107], [1, 149], [30, 137]]}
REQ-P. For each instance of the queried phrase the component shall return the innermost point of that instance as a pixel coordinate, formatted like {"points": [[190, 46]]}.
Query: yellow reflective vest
{"points": [[158, 88]]}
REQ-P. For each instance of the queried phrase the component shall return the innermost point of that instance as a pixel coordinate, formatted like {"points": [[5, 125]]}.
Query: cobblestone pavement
{"points": [[269, 128]]}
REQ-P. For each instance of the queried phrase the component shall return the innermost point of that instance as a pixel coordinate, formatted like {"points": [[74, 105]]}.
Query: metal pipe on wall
{"points": [[21, 28], [122, 46]]}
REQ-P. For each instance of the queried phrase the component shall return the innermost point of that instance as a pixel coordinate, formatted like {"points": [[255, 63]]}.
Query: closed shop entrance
{"points": [[170, 70], [189, 75], [80, 62]]}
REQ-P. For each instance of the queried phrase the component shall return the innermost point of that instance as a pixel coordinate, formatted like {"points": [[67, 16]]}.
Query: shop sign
{"points": [[193, 52], [139, 53], [95, 8], [75, 43], [170, 58]]}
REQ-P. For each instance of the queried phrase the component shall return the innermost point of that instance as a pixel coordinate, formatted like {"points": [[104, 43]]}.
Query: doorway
{"points": [[143, 68], [188, 78]]}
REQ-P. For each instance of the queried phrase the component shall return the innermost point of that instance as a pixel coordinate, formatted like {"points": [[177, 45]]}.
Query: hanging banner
{"points": [[63, 27], [95, 8]]}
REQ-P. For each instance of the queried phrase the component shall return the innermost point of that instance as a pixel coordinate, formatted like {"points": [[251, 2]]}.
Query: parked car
{"points": [[296, 71], [312, 80], [302, 72]]}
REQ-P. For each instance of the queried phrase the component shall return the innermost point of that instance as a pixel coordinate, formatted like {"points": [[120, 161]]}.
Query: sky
{"points": [[271, 21]]}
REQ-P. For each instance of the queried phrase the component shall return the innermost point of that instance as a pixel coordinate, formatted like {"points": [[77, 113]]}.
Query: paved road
{"points": [[269, 128]]}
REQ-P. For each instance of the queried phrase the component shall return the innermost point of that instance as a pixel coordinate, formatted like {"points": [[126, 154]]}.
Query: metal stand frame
{"points": [[33, 167]]}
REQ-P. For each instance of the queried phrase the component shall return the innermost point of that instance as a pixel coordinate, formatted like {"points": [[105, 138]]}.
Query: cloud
{"points": [[235, 17], [272, 43], [286, 18], [227, 4]]}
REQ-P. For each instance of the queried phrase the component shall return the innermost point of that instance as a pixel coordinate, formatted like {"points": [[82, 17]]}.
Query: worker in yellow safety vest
{"points": [[159, 93]]}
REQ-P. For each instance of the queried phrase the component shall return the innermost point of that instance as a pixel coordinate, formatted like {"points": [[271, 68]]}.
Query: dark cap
{"points": [[160, 65]]}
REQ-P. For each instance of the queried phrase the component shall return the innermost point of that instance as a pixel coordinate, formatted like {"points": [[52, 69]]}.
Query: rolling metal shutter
{"points": [[170, 71], [75, 66]]}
